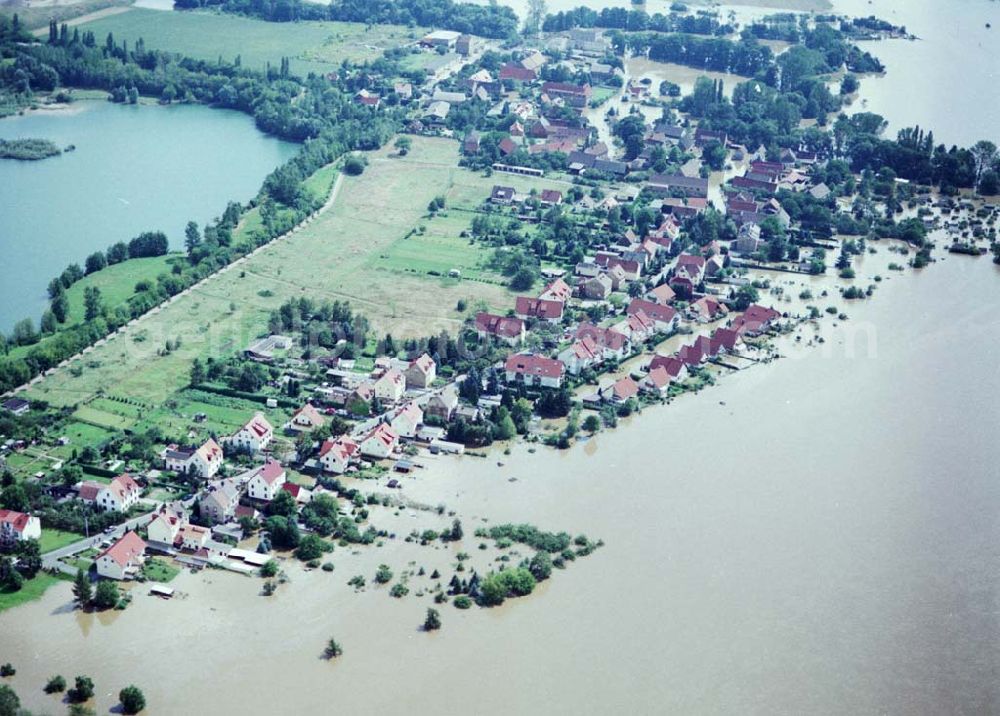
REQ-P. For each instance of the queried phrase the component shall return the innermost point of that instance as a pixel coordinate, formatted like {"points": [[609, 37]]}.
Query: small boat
{"points": [[499, 463]]}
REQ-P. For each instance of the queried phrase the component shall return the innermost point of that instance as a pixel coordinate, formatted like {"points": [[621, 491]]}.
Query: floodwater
{"points": [[134, 169], [813, 535]]}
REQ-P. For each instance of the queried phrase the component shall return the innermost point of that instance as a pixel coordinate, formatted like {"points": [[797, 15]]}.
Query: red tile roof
{"points": [[538, 307], [343, 447], [271, 471], [17, 520], [672, 364], [656, 311], [126, 549], [539, 366], [502, 326]]}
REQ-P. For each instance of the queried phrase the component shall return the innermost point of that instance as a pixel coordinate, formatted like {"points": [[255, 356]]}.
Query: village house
{"points": [[406, 420], [638, 326], [707, 309], [673, 366], [725, 340], [253, 437], [688, 274], [163, 529], [657, 382], [202, 461], [442, 405], [218, 505], [193, 537], [391, 386], [119, 495], [577, 96], [748, 239], [441, 38], [306, 419], [16, 526], [513, 71], [614, 345], [620, 391], [380, 442], [661, 294], [421, 372], [584, 353], [507, 329], [534, 370], [755, 320], [123, 559], [368, 99], [558, 290], [545, 310], [665, 318], [674, 185], [266, 481], [16, 406], [302, 495], [619, 268], [336, 454], [597, 288], [551, 197], [503, 195]]}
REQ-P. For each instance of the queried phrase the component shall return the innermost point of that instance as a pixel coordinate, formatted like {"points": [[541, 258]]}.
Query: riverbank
{"points": [[737, 531]]}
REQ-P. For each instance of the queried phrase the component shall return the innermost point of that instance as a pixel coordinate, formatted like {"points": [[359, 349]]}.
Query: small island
{"points": [[28, 149]]}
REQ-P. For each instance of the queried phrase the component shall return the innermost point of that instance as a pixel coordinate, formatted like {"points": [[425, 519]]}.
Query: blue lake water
{"points": [[135, 168]]}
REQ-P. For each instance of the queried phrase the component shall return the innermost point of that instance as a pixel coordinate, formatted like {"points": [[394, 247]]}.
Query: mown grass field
{"points": [[117, 285], [32, 589], [338, 256], [312, 46], [54, 539]]}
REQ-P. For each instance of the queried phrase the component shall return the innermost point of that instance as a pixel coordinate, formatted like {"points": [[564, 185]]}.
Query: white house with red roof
{"points": [[123, 559], [688, 274], [657, 382], [391, 386], [558, 290], [707, 309], [302, 495], [194, 537], [16, 526], [421, 372], [755, 320], [613, 344], [164, 528], [507, 329], [379, 442], [533, 369], [266, 481], [726, 340], [543, 309], [306, 419], [406, 419], [584, 353], [202, 461], [665, 318], [255, 436], [336, 455], [620, 391], [638, 326], [662, 294], [673, 365], [119, 495]]}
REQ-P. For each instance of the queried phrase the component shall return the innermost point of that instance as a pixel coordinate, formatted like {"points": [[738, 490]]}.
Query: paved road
{"points": [[51, 559]]}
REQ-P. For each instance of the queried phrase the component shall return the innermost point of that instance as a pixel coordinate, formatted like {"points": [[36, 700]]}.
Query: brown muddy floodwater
{"points": [[818, 535]]}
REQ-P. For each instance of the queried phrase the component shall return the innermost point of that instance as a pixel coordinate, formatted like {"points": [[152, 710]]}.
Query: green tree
{"points": [[93, 305], [311, 547], [10, 704], [106, 595], [283, 504], [433, 620], [540, 565], [132, 700], [55, 685], [403, 145], [82, 591], [523, 280], [383, 575], [333, 649], [197, 372], [82, 690], [192, 237]]}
